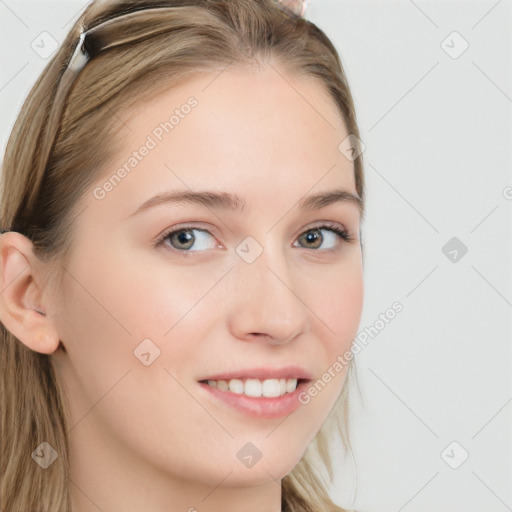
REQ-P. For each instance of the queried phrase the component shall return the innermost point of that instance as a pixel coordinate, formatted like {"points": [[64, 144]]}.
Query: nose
{"points": [[266, 300]]}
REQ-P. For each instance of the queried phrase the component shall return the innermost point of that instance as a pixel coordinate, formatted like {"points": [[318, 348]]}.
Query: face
{"points": [[157, 298]]}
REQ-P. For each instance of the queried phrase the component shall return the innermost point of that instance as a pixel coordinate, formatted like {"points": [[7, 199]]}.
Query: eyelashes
{"points": [[335, 235]]}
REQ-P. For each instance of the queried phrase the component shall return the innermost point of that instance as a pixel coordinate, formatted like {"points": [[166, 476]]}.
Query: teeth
{"points": [[222, 385], [269, 388], [282, 386], [291, 385], [252, 387], [236, 386]]}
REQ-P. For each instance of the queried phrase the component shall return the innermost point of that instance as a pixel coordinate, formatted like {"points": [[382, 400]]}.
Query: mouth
{"points": [[256, 388], [262, 393]]}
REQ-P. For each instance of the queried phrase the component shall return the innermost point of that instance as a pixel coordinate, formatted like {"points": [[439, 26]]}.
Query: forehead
{"points": [[260, 132]]}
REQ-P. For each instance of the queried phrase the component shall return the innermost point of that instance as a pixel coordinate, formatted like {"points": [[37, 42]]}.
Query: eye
{"points": [[188, 239], [327, 234]]}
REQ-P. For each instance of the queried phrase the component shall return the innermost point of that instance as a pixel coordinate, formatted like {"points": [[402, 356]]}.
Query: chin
{"points": [[259, 474]]}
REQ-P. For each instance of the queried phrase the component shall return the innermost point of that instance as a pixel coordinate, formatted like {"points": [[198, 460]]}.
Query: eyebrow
{"points": [[230, 201]]}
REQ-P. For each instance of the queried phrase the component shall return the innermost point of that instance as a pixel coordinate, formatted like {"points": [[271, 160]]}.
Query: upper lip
{"points": [[262, 373]]}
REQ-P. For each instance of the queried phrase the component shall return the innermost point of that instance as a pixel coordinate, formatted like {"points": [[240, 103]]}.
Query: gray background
{"points": [[437, 130]]}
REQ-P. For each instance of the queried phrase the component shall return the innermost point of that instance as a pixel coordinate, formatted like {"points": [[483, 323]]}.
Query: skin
{"points": [[148, 437]]}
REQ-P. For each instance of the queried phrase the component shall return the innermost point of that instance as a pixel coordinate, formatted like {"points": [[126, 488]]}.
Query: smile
{"points": [[268, 388]]}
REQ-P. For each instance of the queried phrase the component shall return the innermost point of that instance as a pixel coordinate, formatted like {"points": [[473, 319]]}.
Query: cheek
{"points": [[129, 297], [338, 302], [168, 298]]}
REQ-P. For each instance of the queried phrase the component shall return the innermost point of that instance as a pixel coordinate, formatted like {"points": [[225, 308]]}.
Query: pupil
{"points": [[313, 236], [185, 237]]}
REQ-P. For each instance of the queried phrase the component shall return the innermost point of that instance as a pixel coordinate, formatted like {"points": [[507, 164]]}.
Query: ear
{"points": [[22, 310]]}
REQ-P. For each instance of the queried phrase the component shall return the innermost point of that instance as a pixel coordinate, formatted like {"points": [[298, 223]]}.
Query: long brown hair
{"points": [[204, 35]]}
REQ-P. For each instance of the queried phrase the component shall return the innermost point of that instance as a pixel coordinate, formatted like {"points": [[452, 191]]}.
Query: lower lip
{"points": [[262, 407]]}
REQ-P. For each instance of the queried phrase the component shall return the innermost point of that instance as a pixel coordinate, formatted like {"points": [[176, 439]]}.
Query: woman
{"points": [[181, 265]]}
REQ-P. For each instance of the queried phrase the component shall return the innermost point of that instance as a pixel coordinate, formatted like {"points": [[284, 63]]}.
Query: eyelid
{"points": [[324, 224]]}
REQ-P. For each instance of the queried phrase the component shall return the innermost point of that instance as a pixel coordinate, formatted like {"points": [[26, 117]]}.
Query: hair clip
{"points": [[80, 57], [298, 7]]}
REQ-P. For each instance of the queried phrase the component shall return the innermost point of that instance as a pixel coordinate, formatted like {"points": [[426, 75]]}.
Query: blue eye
{"points": [[188, 240]]}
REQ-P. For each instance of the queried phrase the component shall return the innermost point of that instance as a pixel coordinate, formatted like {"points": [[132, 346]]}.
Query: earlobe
{"points": [[21, 295]]}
